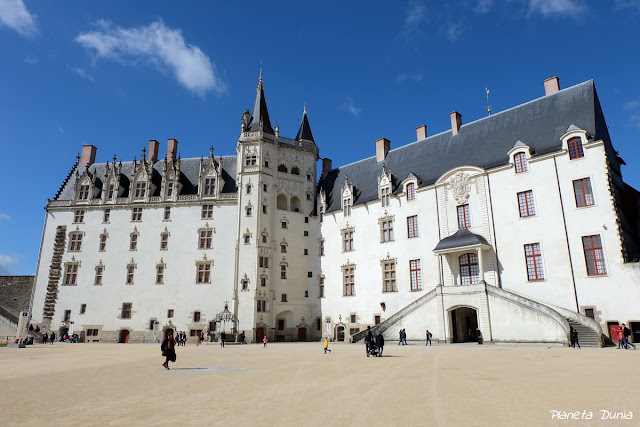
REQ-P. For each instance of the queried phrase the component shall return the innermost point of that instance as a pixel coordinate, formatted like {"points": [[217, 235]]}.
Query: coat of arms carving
{"points": [[460, 186]]}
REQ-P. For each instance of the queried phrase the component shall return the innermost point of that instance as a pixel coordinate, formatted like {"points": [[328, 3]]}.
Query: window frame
{"points": [[575, 148], [583, 202], [595, 250], [534, 262], [526, 204], [413, 229], [520, 162], [469, 265], [415, 274], [464, 221]]}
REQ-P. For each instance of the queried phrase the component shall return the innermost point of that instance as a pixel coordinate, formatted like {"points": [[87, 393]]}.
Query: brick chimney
{"points": [[153, 150], [326, 167], [456, 122], [383, 145], [172, 149], [421, 132], [88, 156], [551, 85]]}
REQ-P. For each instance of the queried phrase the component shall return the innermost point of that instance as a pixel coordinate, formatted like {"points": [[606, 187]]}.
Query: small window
{"points": [[386, 230], [167, 213], [245, 284], [589, 312], [264, 238], [283, 225], [308, 177], [206, 236], [521, 164], [136, 214], [295, 170], [263, 262], [207, 212], [103, 242], [83, 308], [248, 209], [170, 189], [111, 193], [308, 196], [306, 252], [385, 197], [204, 272], [309, 274], [321, 287], [464, 216], [151, 323], [322, 247], [283, 271], [306, 220], [376, 320], [248, 188], [164, 241], [415, 273], [282, 168], [83, 194], [533, 257], [575, 148], [196, 316], [209, 186], [133, 242], [306, 294], [283, 298], [98, 278], [247, 239], [125, 313], [159, 274], [389, 276], [106, 215], [67, 315], [347, 241], [263, 281], [71, 273], [305, 233], [525, 204], [348, 281], [594, 255], [266, 163], [75, 241], [412, 226], [264, 209], [346, 206], [251, 160], [130, 271], [78, 216], [170, 313], [264, 187], [283, 248], [141, 188], [353, 318]]}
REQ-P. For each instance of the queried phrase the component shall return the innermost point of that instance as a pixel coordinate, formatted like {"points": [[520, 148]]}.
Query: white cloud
{"points": [[634, 119], [349, 106], [483, 6], [632, 105], [159, 45], [416, 14], [60, 129], [556, 7], [453, 30], [30, 60], [4, 216], [14, 14], [82, 73], [5, 262]]}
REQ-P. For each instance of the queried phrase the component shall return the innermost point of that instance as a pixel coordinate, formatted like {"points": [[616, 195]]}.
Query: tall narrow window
{"points": [[209, 186], [83, 308], [583, 192], [321, 247], [415, 273], [346, 206], [533, 256], [525, 204], [133, 243], [464, 216], [321, 284], [594, 255], [264, 262], [283, 271], [130, 270], [159, 274], [106, 215], [283, 248], [469, 271], [385, 197], [520, 160], [98, 279], [347, 241], [170, 189], [167, 213], [248, 188], [412, 226], [348, 280], [125, 313], [140, 190], [204, 272], [386, 230], [78, 216], [575, 148], [411, 191], [75, 241], [111, 193], [206, 235], [103, 242], [207, 212], [71, 273], [389, 276]]}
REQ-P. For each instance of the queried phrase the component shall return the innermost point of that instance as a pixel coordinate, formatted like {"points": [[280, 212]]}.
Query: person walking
{"points": [[45, 338], [404, 337], [52, 337], [428, 334], [197, 340], [400, 337], [574, 338], [265, 340], [326, 345], [168, 348], [368, 337], [223, 337], [626, 333], [201, 337], [380, 343], [618, 331]]}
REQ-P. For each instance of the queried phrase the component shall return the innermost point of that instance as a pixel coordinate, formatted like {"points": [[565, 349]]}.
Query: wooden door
{"points": [[302, 334], [259, 334], [124, 336]]}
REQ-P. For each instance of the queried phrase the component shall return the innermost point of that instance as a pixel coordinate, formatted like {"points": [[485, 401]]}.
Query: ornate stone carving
{"points": [[460, 186]]}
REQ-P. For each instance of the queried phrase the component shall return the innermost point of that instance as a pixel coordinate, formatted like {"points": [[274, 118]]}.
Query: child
{"points": [[326, 345], [265, 340]]}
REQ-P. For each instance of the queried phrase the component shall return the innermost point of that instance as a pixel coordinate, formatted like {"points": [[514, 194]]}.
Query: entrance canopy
{"points": [[462, 240]]}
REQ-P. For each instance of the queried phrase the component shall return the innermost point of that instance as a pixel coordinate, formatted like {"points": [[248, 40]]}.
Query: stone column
{"points": [[480, 266], [23, 324], [440, 278]]}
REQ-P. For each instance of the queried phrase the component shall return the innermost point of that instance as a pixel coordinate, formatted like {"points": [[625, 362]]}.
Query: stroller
{"points": [[373, 348]]}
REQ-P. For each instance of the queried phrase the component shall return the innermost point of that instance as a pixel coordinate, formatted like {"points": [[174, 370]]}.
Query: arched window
{"points": [[295, 204], [469, 271], [575, 148], [295, 170], [282, 168], [281, 202], [520, 159]]}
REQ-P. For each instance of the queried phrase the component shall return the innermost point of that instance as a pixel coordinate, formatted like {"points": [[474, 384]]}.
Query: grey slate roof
{"points": [[189, 172], [260, 113], [460, 239], [484, 143], [304, 132]]}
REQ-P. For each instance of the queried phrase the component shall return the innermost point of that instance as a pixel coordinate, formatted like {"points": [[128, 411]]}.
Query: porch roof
{"points": [[462, 238]]}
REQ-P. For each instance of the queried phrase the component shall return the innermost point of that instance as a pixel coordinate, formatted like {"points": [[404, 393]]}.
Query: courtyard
{"points": [[296, 384]]}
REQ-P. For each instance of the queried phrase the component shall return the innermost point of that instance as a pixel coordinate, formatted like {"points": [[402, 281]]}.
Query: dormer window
{"points": [[209, 186], [83, 194], [521, 164], [574, 145], [170, 189], [411, 191], [385, 196], [140, 190], [346, 206], [111, 193]]}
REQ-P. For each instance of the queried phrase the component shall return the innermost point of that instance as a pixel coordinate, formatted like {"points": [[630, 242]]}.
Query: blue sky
{"points": [[116, 74]]}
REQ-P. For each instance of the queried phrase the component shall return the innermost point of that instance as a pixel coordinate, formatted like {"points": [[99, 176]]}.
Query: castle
{"points": [[517, 226]]}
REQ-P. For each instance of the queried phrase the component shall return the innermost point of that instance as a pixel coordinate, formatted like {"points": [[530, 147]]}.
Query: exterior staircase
{"points": [[383, 326], [55, 271], [586, 336]]}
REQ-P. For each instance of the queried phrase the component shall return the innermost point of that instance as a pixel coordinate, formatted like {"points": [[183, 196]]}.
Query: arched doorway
{"points": [[124, 336], [464, 324], [302, 334], [259, 334], [340, 333]]}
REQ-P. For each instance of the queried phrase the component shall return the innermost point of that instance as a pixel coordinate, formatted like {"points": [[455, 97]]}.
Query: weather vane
{"points": [[488, 106]]}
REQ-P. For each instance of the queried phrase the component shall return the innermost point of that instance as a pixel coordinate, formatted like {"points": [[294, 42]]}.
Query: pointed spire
{"points": [[304, 132], [260, 116]]}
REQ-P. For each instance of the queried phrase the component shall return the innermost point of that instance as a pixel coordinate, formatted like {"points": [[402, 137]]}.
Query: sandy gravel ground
{"points": [[291, 384]]}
